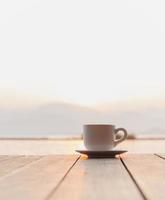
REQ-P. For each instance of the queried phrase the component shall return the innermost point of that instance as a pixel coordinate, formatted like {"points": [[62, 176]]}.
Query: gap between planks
{"points": [[148, 173], [96, 179], [57, 186], [160, 155], [133, 179], [37, 180]]}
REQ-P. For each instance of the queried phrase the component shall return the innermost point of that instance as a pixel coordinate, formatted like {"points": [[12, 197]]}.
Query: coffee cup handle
{"points": [[122, 138]]}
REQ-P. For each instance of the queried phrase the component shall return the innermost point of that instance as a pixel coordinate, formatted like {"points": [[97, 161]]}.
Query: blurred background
{"points": [[66, 63]]}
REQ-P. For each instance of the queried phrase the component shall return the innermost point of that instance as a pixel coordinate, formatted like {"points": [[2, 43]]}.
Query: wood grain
{"points": [[12, 163], [36, 180], [149, 173], [6, 157], [97, 179]]}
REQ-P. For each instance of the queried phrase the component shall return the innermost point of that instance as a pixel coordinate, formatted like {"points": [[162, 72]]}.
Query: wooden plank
{"points": [[36, 180], [6, 157], [149, 173], [12, 163], [97, 179]]}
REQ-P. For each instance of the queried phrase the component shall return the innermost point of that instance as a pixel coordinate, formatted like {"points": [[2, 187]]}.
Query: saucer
{"points": [[101, 154]]}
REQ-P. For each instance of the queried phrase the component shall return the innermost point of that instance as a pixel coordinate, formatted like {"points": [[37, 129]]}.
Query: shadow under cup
{"points": [[99, 137]]}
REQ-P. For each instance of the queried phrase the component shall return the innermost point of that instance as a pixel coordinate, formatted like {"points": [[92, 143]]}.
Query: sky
{"points": [[84, 52]]}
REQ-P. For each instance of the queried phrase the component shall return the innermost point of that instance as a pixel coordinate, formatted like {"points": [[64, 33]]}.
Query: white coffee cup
{"points": [[101, 137]]}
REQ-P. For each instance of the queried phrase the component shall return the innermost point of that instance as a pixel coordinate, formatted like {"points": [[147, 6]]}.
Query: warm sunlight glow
{"points": [[86, 52], [69, 62]]}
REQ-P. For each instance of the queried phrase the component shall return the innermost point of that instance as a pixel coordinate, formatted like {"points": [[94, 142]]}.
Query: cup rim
{"points": [[99, 125]]}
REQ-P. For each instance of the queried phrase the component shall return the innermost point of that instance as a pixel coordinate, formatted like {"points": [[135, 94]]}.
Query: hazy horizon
{"points": [[106, 56], [67, 119]]}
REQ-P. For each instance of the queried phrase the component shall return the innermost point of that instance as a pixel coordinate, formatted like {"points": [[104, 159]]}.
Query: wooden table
{"points": [[50, 169]]}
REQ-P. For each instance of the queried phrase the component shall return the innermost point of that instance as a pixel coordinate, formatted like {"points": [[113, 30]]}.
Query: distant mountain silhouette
{"points": [[62, 118]]}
